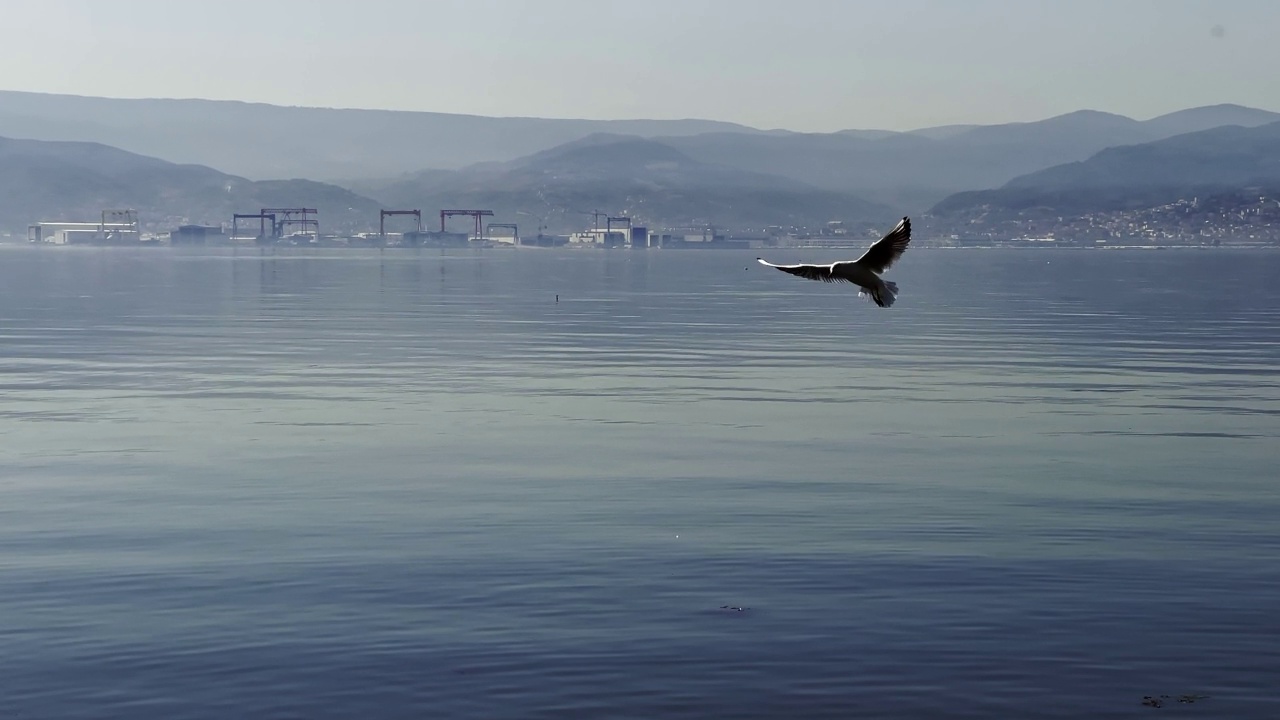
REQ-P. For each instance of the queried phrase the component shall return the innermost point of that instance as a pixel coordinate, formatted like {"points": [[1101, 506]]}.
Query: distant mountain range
{"points": [[81, 155], [260, 141], [1201, 163], [912, 171], [556, 190], [907, 170], [76, 181], [630, 176]]}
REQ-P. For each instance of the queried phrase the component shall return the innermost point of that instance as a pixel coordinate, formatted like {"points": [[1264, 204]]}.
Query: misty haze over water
{"points": [[414, 484]]}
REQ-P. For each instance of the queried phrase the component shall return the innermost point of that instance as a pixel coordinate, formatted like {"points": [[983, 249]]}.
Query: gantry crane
{"points": [[515, 231], [384, 214], [294, 216], [477, 214], [262, 218]]}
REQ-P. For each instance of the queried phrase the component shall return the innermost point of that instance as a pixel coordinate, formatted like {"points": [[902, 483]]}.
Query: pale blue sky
{"points": [[811, 65]]}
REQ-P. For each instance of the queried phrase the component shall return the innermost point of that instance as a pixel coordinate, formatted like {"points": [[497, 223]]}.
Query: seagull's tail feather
{"points": [[883, 295]]}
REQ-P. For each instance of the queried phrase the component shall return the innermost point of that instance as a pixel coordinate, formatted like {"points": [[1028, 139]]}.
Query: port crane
{"points": [[515, 230], [477, 214], [261, 217], [294, 216], [384, 214]]}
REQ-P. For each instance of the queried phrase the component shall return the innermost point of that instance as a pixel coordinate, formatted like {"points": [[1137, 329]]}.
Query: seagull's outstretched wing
{"points": [[887, 249], [809, 272]]}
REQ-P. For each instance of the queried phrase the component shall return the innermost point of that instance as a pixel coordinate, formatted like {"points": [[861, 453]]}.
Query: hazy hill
{"points": [[692, 169], [911, 170], [1205, 118], [943, 132], [626, 175], [915, 170], [76, 181], [268, 141], [1143, 175]]}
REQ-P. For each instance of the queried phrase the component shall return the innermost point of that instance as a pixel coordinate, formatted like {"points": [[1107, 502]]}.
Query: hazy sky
{"points": [[814, 65]]}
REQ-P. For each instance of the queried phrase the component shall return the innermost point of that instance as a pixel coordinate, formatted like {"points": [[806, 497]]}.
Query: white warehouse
{"points": [[84, 233]]}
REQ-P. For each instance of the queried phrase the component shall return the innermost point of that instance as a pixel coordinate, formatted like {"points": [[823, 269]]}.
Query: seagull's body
{"points": [[865, 271]]}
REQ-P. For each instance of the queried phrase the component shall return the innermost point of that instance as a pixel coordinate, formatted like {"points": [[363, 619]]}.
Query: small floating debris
{"points": [[734, 608], [1159, 701]]}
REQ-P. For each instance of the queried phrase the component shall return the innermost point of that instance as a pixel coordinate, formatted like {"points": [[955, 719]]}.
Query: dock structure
{"points": [[261, 217], [280, 218], [296, 216], [116, 227], [515, 232], [479, 216], [384, 214]]}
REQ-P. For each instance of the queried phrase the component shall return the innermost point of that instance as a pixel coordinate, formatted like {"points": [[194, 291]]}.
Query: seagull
{"points": [[865, 271]]}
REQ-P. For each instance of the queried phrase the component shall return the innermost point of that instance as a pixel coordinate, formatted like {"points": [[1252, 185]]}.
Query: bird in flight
{"points": [[865, 271]]}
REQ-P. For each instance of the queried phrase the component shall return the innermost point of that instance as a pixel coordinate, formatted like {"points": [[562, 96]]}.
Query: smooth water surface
{"points": [[415, 484]]}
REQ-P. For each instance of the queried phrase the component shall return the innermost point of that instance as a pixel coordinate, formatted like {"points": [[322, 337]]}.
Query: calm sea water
{"points": [[405, 484]]}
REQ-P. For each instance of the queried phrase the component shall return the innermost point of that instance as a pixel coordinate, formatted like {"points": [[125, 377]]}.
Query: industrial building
{"points": [[197, 235], [634, 237], [116, 227], [84, 233]]}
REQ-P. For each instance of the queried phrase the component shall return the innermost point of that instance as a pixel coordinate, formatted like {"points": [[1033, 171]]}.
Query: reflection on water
{"points": [[416, 484]]}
